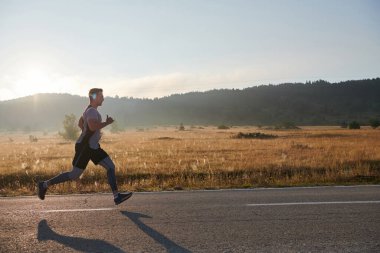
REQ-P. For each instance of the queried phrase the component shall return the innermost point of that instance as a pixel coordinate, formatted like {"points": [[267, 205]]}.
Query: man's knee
{"points": [[111, 166], [108, 164], [75, 173]]}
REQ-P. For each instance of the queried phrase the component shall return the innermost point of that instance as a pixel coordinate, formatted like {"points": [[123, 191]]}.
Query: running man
{"points": [[87, 148]]}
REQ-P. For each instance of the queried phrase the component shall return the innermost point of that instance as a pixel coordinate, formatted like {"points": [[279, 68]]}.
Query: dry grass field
{"points": [[197, 158]]}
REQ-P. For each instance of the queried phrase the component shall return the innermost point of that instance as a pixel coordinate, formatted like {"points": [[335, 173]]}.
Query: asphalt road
{"points": [[321, 219]]}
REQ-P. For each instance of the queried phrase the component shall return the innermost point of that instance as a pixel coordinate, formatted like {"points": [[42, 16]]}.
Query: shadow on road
{"points": [[170, 246], [80, 244]]}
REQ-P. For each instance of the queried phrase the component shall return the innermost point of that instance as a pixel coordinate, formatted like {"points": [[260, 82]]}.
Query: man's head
{"points": [[96, 96]]}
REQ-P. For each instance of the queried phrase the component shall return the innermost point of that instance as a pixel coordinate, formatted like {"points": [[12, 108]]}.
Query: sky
{"points": [[148, 49]]}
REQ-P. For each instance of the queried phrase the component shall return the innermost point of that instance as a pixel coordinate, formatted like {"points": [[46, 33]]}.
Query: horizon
{"points": [[154, 49]]}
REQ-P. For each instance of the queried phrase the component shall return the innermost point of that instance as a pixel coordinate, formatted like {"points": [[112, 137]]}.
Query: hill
{"points": [[310, 103]]}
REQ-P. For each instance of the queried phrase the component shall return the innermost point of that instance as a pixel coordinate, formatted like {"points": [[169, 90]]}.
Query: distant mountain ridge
{"points": [[310, 103]]}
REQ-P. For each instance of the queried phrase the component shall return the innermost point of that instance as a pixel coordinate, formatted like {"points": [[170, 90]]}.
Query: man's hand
{"points": [[109, 120], [94, 124]]}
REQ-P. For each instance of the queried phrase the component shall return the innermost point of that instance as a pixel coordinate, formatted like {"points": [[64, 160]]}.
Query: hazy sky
{"points": [[159, 47]]}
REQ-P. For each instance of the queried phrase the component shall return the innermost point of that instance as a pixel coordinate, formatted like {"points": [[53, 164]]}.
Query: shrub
{"points": [[286, 125], [71, 131], [374, 123], [115, 128], [223, 127], [254, 136], [33, 138], [354, 125]]}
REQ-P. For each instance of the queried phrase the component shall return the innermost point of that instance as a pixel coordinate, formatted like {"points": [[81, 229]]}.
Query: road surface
{"points": [[315, 219]]}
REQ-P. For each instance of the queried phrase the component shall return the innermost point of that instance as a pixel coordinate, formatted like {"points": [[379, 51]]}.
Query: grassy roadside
{"points": [[16, 184], [203, 159]]}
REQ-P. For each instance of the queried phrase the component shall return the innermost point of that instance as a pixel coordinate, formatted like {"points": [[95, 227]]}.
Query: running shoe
{"points": [[41, 190], [122, 196]]}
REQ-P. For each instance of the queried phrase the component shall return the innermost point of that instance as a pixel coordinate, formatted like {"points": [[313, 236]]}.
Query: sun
{"points": [[34, 80]]}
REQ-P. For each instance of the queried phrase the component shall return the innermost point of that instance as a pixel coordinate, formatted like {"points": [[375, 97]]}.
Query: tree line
{"points": [[309, 103]]}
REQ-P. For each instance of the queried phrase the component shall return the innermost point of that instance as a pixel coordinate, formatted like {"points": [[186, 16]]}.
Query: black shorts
{"points": [[83, 154]]}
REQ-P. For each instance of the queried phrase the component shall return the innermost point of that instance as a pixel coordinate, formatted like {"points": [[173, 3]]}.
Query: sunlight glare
{"points": [[34, 80]]}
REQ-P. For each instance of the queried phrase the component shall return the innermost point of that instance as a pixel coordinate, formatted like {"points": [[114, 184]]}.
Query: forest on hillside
{"points": [[310, 103]]}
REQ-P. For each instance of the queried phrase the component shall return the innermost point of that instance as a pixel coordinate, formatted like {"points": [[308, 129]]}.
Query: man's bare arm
{"points": [[81, 123], [94, 124]]}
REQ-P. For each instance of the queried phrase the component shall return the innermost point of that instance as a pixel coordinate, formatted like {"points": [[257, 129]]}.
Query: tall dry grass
{"points": [[198, 159]]}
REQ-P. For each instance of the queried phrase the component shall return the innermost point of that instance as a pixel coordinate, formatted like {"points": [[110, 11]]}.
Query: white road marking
{"points": [[195, 191], [317, 203], [77, 210]]}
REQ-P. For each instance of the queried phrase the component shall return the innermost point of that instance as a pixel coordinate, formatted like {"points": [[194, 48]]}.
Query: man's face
{"points": [[99, 98]]}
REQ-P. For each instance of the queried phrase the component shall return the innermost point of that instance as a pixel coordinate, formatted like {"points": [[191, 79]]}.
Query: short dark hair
{"points": [[94, 90]]}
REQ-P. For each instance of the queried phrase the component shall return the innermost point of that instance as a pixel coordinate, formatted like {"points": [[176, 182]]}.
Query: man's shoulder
{"points": [[91, 109], [91, 112]]}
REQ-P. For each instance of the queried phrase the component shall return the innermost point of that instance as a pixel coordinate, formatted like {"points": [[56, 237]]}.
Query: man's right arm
{"points": [[81, 123], [94, 124], [93, 121]]}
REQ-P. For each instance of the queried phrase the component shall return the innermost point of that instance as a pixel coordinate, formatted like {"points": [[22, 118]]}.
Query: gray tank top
{"points": [[91, 113]]}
